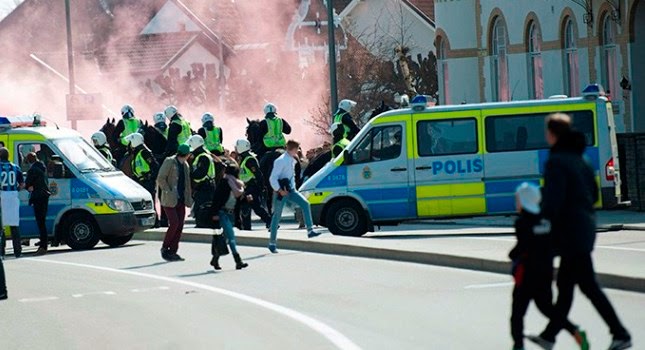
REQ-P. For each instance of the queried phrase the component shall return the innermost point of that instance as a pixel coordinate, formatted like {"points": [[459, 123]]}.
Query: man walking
{"points": [[283, 182], [38, 188], [174, 182], [10, 183], [570, 191]]}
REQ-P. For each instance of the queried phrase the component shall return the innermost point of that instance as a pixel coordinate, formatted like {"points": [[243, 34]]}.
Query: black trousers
{"points": [[40, 206], [257, 205], [578, 270], [533, 277], [3, 282], [15, 238]]}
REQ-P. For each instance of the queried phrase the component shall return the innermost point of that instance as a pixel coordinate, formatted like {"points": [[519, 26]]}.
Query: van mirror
{"points": [[347, 157]]}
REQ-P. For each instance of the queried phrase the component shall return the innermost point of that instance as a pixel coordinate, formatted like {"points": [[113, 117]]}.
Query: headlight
{"points": [[306, 194], [119, 205]]}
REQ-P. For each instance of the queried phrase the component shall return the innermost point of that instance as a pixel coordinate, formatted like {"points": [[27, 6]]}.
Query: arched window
{"points": [[536, 84], [570, 58], [443, 72], [608, 37], [499, 61]]}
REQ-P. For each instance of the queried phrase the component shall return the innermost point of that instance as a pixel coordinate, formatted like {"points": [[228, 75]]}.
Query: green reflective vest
{"points": [[130, 126], [185, 133], [140, 166], [211, 167], [246, 174], [213, 140], [105, 151], [342, 143], [274, 137], [338, 118]]}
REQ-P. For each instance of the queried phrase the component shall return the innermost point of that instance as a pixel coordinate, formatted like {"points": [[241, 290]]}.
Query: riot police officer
{"points": [[212, 135], [254, 184], [273, 128], [178, 132]]}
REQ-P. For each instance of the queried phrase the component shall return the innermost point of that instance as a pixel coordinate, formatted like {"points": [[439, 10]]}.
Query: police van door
{"points": [[59, 186], [448, 164], [380, 170]]}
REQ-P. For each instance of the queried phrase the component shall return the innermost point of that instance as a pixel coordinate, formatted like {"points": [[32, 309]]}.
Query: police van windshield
{"points": [[85, 157]]}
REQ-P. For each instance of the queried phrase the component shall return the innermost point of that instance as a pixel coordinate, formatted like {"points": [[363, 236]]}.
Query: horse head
{"points": [[108, 129], [254, 136]]}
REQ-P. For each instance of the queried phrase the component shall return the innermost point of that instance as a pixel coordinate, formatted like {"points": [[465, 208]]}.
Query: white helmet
{"points": [[127, 109], [135, 139], [207, 117], [242, 146], [195, 142], [335, 127], [346, 105], [99, 138], [270, 108], [158, 118], [170, 111]]}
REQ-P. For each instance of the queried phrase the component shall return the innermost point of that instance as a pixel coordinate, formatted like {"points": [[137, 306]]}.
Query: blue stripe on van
{"points": [[380, 194], [592, 154], [504, 204], [28, 227], [389, 210], [499, 187], [337, 178]]}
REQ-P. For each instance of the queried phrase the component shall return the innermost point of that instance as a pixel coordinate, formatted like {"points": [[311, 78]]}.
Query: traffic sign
{"points": [[84, 107]]}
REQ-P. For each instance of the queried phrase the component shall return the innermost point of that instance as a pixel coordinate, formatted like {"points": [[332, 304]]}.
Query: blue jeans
{"points": [[296, 198], [227, 221]]}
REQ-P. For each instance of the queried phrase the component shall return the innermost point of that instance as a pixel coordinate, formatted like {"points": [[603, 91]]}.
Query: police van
{"points": [[90, 199], [451, 161]]}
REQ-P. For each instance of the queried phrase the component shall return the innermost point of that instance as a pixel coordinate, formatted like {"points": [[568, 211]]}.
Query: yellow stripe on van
{"points": [[100, 208], [451, 190], [319, 197]]}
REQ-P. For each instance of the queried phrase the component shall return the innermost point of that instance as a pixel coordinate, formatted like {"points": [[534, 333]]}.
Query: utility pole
{"points": [[70, 54], [332, 56]]}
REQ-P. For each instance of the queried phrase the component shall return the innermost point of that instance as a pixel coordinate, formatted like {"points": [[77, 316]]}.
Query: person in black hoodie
{"points": [[570, 191], [532, 259], [38, 188], [229, 191]]}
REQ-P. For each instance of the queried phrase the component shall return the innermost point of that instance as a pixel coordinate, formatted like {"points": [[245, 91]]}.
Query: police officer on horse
{"points": [[100, 143], [212, 135], [143, 163], [179, 130], [273, 129]]}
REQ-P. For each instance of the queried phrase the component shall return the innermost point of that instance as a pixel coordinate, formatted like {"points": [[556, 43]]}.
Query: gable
{"points": [[170, 19]]}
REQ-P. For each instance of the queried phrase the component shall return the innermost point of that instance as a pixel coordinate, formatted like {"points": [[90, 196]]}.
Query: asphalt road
{"points": [[128, 298]]}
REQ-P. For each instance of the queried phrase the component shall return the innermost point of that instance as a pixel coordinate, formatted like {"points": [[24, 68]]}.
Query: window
{"points": [[609, 54], [85, 157], [536, 85], [499, 64], [525, 132], [447, 137], [379, 144], [570, 64], [53, 163], [443, 72]]}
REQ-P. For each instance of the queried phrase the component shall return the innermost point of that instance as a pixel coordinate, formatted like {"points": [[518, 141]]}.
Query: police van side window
{"points": [[447, 137], [526, 132], [53, 163], [382, 143]]}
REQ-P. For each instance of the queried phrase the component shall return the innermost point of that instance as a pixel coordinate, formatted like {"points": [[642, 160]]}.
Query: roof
{"points": [[424, 7], [48, 132]]}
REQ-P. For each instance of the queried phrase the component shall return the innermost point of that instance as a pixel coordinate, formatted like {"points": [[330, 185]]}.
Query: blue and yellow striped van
{"points": [[451, 161]]}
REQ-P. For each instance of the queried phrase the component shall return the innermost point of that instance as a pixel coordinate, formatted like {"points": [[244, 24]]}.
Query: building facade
{"points": [[496, 50]]}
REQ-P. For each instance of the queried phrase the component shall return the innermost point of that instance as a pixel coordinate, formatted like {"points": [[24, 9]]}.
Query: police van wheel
{"points": [[82, 232], [116, 241], [346, 218]]}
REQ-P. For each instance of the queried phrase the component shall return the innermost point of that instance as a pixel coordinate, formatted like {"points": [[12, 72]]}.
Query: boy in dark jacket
{"points": [[532, 259]]}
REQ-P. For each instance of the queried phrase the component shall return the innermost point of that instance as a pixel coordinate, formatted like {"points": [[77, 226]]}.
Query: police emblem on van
{"points": [[53, 188], [367, 173]]}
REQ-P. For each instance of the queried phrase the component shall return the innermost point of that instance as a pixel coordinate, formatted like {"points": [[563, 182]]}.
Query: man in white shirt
{"points": [[283, 182]]}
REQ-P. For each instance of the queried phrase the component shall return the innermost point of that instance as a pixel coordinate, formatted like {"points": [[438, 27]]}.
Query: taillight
{"points": [[610, 172]]}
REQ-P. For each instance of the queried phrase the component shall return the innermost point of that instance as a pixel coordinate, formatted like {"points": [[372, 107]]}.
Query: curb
{"points": [[445, 260]]}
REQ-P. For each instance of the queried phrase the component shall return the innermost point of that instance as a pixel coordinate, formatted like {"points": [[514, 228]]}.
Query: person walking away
{"points": [[11, 181], [144, 167], [229, 191], [339, 140], [202, 175], [343, 117], [178, 132], [273, 128], [38, 187], [213, 136], [570, 191], [128, 125], [174, 182], [99, 140], [282, 181], [532, 259], [254, 185]]}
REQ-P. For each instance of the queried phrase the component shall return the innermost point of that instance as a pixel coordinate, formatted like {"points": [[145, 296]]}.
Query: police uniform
{"points": [[106, 152], [130, 126], [11, 180], [213, 140], [273, 129], [343, 117], [253, 179], [339, 147], [179, 132], [202, 175], [145, 168]]}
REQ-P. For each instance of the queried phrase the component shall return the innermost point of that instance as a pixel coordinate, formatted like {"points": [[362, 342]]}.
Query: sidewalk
{"points": [[478, 244]]}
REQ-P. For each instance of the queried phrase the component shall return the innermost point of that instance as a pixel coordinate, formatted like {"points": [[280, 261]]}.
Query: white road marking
{"points": [[620, 248], [489, 285], [598, 246], [36, 300], [143, 290], [80, 295], [334, 336]]}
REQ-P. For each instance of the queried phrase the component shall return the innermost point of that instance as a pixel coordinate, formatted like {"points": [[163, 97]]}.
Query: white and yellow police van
{"points": [[90, 199], [450, 161]]}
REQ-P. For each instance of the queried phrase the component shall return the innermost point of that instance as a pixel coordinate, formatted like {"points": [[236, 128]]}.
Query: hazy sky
{"points": [[6, 6]]}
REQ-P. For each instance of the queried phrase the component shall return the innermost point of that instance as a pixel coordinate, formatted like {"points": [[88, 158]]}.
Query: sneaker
{"points": [[620, 344], [313, 234], [165, 254], [41, 251], [176, 257], [581, 339], [541, 342], [4, 296], [273, 248]]}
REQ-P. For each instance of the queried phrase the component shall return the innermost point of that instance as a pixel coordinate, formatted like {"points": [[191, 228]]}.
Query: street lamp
{"points": [[332, 56], [70, 54]]}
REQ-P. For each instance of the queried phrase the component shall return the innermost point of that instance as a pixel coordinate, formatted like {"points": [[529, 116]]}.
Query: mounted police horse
{"points": [[155, 141], [119, 152], [265, 156]]}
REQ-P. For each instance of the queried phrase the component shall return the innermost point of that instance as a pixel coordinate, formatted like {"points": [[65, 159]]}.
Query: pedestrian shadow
{"points": [[144, 266], [210, 272], [256, 257], [437, 235]]}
